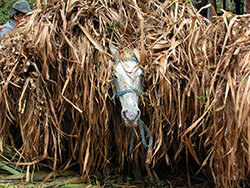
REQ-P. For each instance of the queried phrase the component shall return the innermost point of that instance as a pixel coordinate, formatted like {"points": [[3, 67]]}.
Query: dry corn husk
{"points": [[56, 87]]}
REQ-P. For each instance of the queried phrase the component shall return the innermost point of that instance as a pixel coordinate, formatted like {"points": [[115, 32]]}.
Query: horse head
{"points": [[127, 87]]}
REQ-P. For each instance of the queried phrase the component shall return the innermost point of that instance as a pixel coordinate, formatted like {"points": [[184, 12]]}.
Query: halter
{"points": [[132, 59], [117, 94], [141, 124]]}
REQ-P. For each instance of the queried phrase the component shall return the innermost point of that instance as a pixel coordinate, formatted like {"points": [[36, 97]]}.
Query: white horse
{"points": [[127, 87]]}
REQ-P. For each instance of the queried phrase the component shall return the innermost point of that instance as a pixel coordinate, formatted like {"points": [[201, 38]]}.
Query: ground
{"points": [[72, 179]]}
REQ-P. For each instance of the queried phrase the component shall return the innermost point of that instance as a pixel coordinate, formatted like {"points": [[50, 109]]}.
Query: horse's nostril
{"points": [[138, 113], [124, 112]]}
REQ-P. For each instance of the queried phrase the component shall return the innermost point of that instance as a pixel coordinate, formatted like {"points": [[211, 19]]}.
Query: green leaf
{"points": [[75, 185], [111, 26], [8, 169], [16, 176]]}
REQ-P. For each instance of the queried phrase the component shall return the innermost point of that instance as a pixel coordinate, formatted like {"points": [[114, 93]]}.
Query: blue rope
{"points": [[132, 59], [117, 94], [142, 126]]}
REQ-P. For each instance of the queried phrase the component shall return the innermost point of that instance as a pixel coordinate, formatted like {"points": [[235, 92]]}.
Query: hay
{"points": [[56, 75]]}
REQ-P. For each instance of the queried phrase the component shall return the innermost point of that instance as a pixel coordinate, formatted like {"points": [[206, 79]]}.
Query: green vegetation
{"points": [[7, 157], [72, 179], [230, 5], [5, 7]]}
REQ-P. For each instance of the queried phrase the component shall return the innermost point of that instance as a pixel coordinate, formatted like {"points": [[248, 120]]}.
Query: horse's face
{"points": [[127, 85]]}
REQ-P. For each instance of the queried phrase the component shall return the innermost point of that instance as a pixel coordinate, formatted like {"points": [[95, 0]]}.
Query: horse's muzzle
{"points": [[131, 116]]}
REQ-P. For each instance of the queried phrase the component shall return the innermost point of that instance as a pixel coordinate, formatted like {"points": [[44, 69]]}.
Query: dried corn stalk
{"points": [[56, 82]]}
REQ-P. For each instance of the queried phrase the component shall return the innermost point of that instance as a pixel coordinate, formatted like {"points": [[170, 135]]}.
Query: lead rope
{"points": [[142, 126]]}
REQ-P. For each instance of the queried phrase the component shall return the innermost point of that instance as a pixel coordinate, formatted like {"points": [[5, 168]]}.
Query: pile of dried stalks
{"points": [[56, 86]]}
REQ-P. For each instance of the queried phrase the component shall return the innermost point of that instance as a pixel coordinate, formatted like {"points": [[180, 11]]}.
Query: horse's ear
{"points": [[113, 50]]}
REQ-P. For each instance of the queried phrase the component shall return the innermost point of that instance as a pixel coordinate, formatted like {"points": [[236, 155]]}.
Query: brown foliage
{"points": [[56, 86]]}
